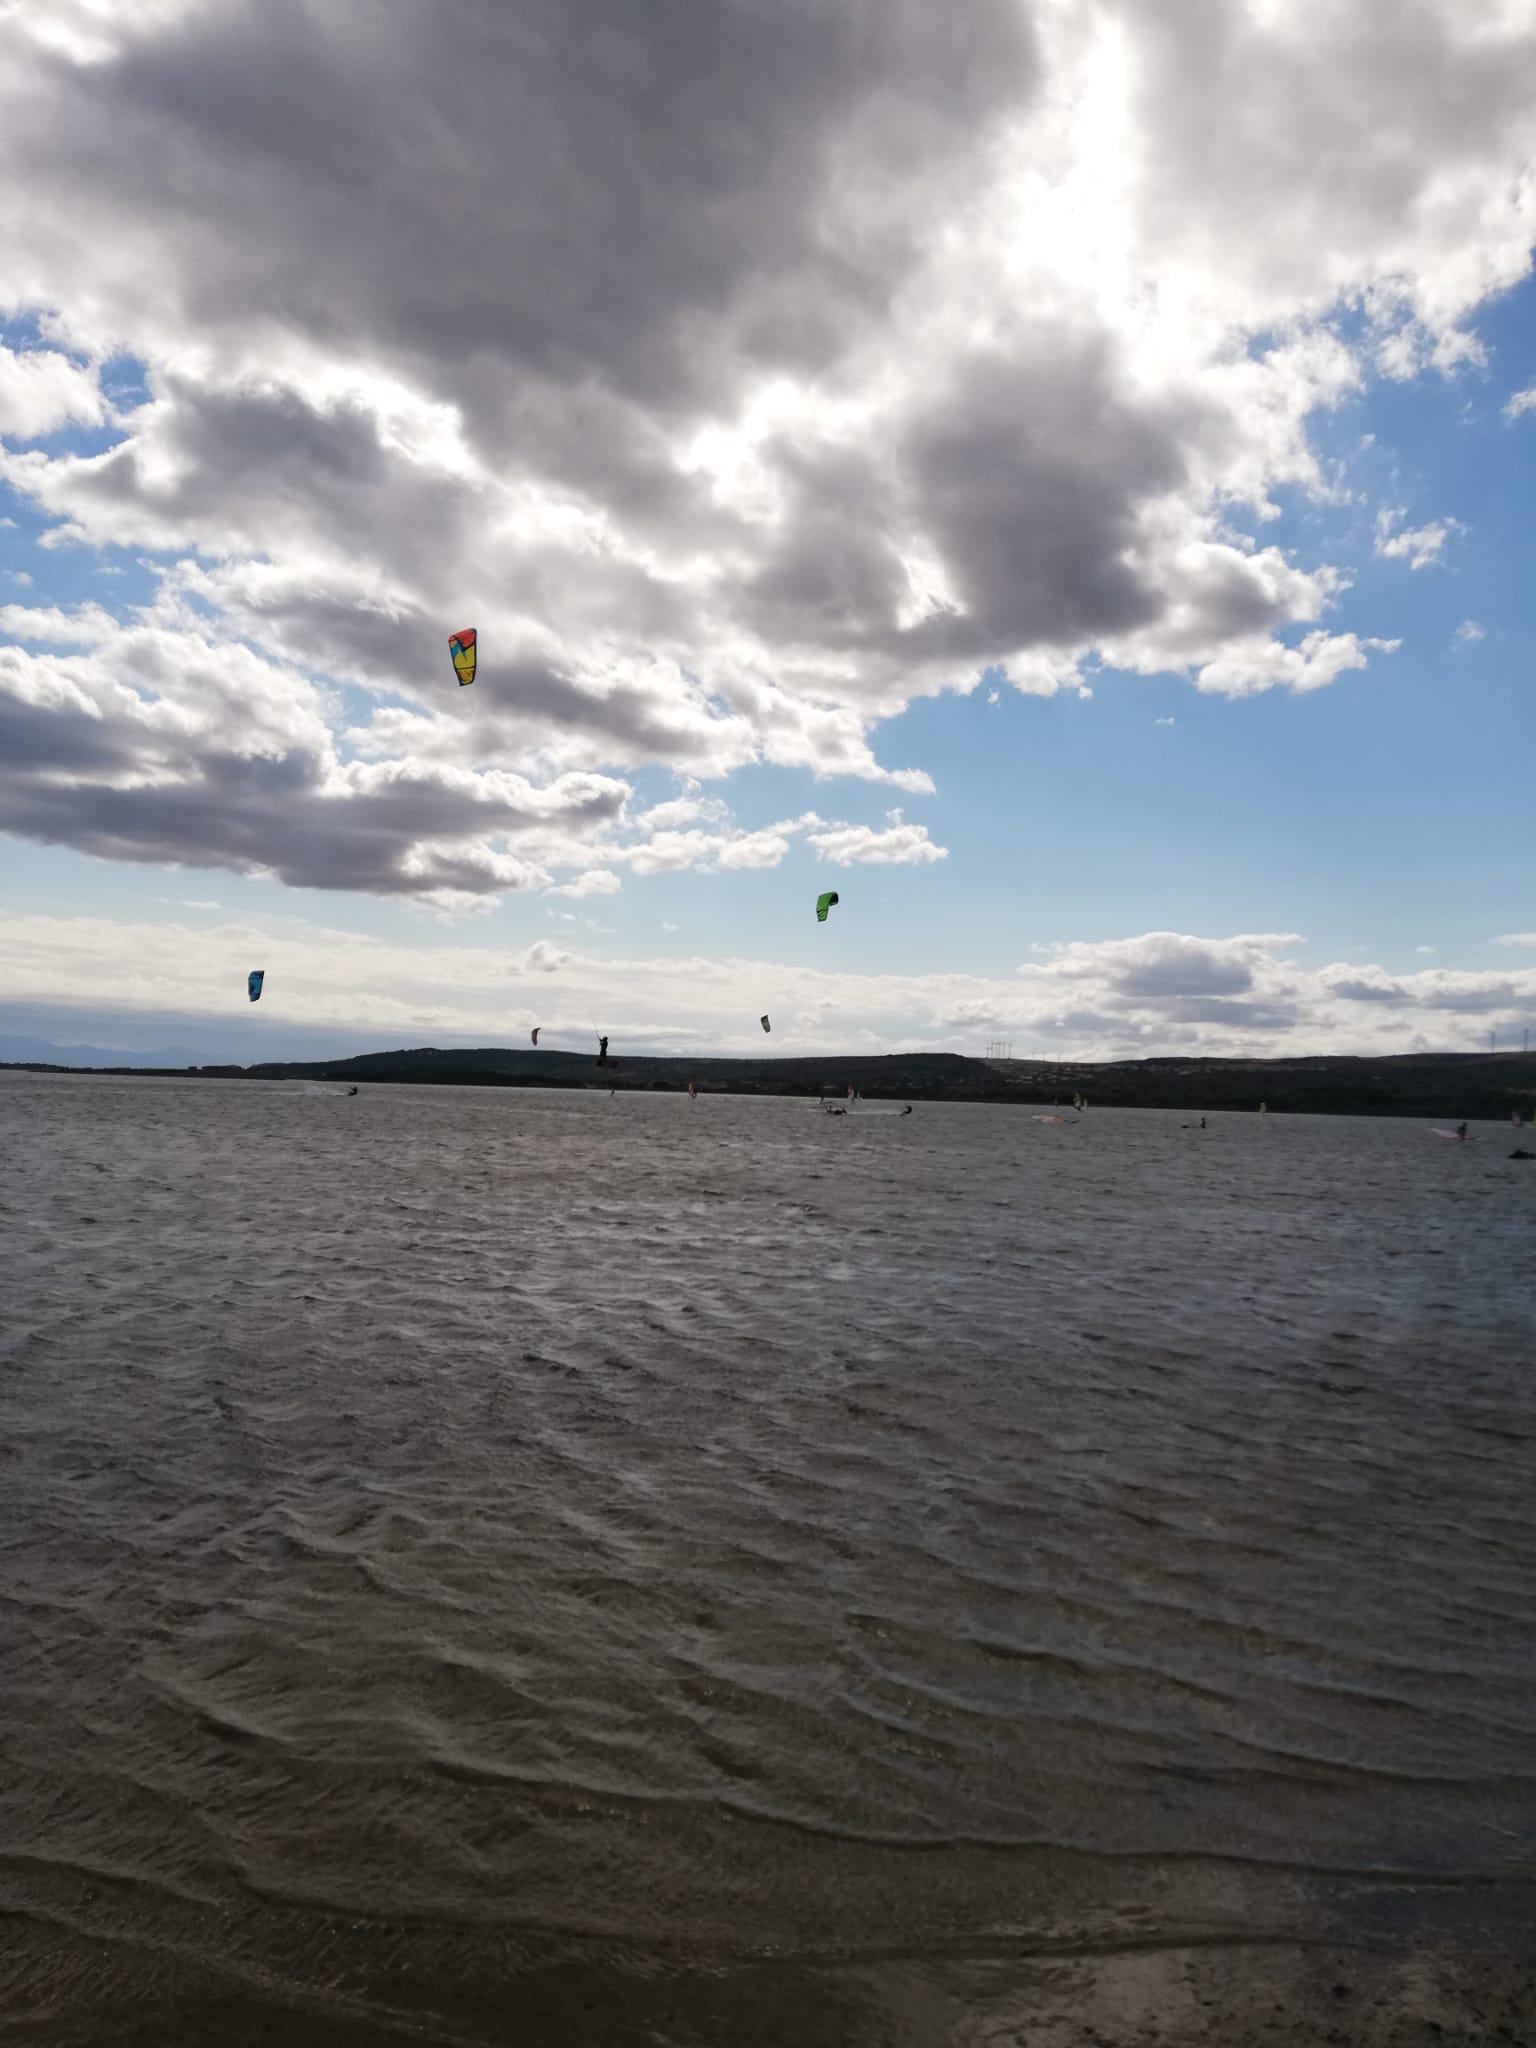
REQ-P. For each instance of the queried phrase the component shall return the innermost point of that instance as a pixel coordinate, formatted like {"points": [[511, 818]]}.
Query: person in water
{"points": [[1461, 1132]]}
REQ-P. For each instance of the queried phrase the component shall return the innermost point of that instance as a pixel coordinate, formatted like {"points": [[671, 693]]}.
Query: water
{"points": [[480, 1566]]}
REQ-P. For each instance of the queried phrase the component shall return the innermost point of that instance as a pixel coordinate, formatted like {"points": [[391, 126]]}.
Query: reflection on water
{"points": [[725, 1573]]}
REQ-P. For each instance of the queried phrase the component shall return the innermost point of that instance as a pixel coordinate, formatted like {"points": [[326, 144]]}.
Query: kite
{"points": [[765, 1024], [824, 904], [462, 647], [253, 982], [536, 1030]]}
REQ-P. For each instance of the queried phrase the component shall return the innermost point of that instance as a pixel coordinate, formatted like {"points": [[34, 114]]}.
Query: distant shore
{"points": [[1447, 1085]]}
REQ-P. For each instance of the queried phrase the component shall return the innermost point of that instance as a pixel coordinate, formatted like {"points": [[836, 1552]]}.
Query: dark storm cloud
{"points": [[1173, 968], [37, 739], [633, 193], [271, 816], [633, 720], [1029, 472], [66, 779], [1461, 992], [247, 469], [1357, 991], [1258, 1015]]}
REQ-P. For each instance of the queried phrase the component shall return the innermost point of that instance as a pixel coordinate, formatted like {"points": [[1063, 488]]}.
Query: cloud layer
{"points": [[1159, 993], [741, 372]]}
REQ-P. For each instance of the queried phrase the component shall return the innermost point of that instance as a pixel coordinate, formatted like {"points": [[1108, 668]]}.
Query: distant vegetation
{"points": [[1445, 1085]]}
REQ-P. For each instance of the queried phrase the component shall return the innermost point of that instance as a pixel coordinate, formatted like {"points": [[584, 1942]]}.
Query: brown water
{"points": [[518, 1566]]}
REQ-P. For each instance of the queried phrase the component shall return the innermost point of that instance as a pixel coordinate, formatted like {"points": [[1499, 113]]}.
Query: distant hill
{"points": [[28, 1051], [1448, 1086]]}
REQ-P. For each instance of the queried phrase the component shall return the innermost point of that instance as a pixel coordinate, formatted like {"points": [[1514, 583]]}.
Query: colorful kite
{"points": [[462, 647], [253, 982], [824, 904]]}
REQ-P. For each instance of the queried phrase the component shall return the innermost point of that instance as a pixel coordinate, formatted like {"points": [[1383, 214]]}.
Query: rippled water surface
{"points": [[481, 1566]]}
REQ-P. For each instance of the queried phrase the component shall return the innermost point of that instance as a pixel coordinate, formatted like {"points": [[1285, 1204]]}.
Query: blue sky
{"points": [[1128, 611]]}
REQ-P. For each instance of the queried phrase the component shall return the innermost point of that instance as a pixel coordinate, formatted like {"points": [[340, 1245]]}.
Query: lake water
{"points": [[485, 1566]]}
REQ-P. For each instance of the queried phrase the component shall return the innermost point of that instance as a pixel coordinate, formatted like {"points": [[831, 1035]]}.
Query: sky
{"points": [[1057, 472]]}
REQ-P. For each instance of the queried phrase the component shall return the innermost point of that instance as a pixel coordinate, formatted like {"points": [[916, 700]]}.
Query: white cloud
{"points": [[1523, 401], [1162, 721], [1159, 992], [1516, 939], [1469, 630], [675, 852], [1418, 545], [591, 882], [88, 626], [683, 810], [42, 390], [858, 845], [1256, 664], [542, 958]]}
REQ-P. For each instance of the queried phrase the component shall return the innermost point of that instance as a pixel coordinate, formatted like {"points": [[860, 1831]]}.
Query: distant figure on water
{"points": [[602, 1052], [1461, 1132]]}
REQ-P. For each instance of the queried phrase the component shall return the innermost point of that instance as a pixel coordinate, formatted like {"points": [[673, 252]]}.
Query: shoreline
{"points": [[1478, 1087]]}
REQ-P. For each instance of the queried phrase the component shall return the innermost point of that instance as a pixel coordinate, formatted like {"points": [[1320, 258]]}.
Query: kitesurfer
{"points": [[1461, 1132], [602, 1052]]}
